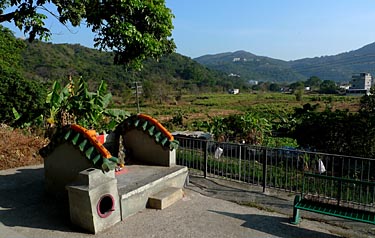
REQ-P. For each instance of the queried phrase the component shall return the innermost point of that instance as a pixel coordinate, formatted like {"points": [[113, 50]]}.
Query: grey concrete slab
{"points": [[136, 176], [7, 232], [138, 182]]}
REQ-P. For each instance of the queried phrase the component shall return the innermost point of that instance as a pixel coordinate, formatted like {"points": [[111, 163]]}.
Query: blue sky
{"points": [[282, 29]]}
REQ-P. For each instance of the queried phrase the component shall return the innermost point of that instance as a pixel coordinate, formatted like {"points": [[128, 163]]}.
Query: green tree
{"points": [[367, 115], [10, 49], [274, 87], [251, 127], [132, 29], [328, 86], [313, 82], [368, 103], [26, 97], [297, 85], [337, 132]]}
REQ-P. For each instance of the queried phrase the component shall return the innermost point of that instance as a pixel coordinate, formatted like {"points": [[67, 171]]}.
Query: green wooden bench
{"points": [[336, 196]]}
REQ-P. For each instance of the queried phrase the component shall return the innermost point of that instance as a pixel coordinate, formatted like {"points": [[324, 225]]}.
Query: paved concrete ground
{"points": [[26, 212], [273, 200]]}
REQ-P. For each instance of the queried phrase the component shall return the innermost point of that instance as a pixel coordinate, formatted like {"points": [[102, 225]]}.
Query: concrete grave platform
{"points": [[81, 168], [98, 201], [137, 183]]}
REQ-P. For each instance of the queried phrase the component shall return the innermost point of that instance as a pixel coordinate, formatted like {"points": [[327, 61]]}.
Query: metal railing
{"points": [[267, 167]]}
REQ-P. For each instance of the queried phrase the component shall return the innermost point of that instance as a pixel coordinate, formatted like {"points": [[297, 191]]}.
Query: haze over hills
{"points": [[252, 67]]}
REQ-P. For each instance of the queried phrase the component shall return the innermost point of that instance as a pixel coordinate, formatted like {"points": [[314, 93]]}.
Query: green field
{"points": [[201, 106]]}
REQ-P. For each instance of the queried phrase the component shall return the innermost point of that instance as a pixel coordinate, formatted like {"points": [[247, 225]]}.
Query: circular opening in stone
{"points": [[105, 206]]}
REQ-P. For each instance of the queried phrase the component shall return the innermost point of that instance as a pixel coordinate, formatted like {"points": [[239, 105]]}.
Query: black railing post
{"points": [[264, 169], [205, 155], [239, 162], [338, 197]]}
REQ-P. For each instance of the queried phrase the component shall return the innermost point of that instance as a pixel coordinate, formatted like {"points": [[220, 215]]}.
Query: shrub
{"points": [[26, 96]]}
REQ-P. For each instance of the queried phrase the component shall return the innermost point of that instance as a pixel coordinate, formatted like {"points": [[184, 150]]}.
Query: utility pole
{"points": [[138, 91]]}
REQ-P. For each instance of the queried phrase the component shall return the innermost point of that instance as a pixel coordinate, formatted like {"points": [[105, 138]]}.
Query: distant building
{"points": [[253, 82], [344, 86], [361, 84], [239, 59], [234, 75], [234, 91], [361, 81]]}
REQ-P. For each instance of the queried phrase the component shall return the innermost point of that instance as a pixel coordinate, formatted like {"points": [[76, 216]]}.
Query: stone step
{"points": [[165, 198]]}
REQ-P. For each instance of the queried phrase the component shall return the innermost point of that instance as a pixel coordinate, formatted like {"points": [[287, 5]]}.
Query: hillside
{"points": [[251, 67], [338, 67], [47, 62]]}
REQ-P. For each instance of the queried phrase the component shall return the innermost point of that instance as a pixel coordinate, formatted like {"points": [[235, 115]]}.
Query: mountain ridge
{"points": [[339, 67], [250, 66]]}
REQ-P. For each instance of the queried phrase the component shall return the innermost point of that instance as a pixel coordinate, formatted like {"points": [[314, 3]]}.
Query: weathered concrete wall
{"points": [[62, 166], [144, 148]]}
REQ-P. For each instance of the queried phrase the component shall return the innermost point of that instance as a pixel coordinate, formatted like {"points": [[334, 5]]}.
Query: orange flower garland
{"points": [[91, 136], [158, 125]]}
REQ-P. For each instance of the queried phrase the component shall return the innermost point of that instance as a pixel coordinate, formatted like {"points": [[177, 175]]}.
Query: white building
{"points": [[361, 81], [361, 84]]}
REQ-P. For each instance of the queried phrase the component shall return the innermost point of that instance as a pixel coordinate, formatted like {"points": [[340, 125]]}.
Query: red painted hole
{"points": [[105, 206]]}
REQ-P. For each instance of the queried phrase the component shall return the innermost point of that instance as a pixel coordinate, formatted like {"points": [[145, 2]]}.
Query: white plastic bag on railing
{"points": [[321, 167], [218, 152]]}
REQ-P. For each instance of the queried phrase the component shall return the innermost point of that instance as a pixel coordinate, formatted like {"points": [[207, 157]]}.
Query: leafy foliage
{"points": [[132, 29], [368, 103], [313, 82], [338, 132], [249, 127], [75, 104], [274, 87], [16, 93], [328, 87], [23, 96]]}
